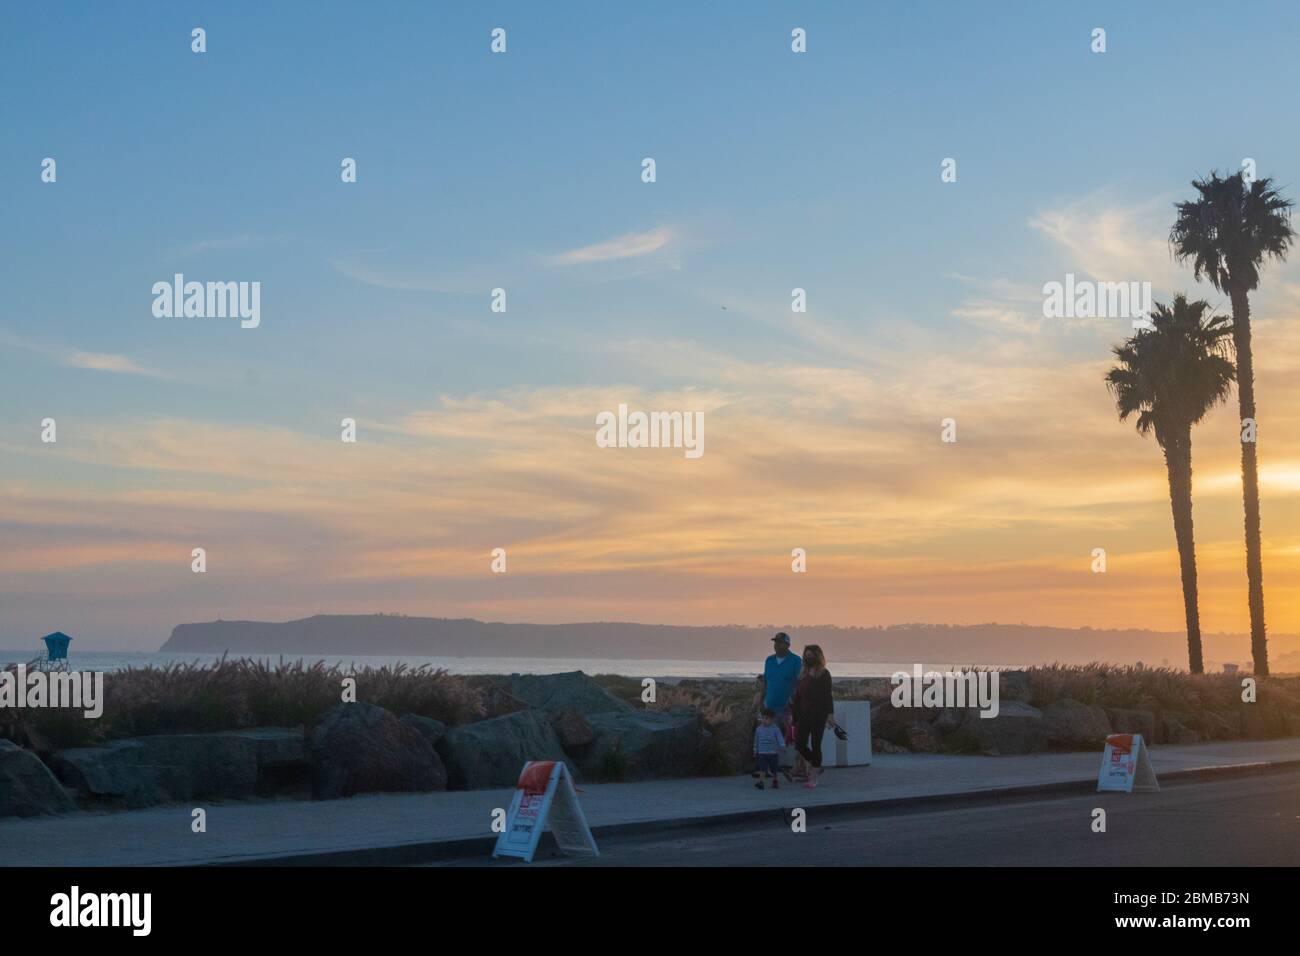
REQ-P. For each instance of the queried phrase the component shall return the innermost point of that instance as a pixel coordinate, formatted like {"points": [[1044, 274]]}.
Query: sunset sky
{"points": [[523, 171]]}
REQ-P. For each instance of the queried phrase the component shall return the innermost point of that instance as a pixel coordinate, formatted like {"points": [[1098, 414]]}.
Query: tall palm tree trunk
{"points": [[1250, 479], [1178, 461]]}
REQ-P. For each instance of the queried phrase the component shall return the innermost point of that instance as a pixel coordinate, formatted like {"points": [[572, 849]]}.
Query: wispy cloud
{"points": [[811, 454], [1113, 242], [104, 362], [629, 246], [385, 279], [1094, 237], [997, 318], [94, 361]]}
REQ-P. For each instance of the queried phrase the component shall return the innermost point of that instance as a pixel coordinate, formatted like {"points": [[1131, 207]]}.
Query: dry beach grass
{"points": [[233, 694]]}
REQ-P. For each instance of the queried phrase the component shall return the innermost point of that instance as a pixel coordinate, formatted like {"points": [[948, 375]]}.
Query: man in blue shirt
{"points": [[780, 674]]}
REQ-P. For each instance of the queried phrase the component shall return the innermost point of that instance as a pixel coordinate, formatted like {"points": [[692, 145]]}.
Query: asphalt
{"points": [[396, 829], [1248, 820]]}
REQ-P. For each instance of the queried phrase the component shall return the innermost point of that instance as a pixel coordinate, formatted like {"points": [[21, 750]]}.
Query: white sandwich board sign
{"points": [[1126, 765], [545, 795]]}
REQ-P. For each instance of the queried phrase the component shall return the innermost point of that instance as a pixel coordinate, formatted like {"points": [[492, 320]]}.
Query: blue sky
{"points": [[775, 170]]}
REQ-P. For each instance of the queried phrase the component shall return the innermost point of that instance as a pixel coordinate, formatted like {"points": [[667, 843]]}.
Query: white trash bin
{"points": [[855, 717]]}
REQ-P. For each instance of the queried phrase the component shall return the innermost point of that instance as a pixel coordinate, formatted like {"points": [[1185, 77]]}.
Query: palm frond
{"points": [[1171, 375], [1231, 229]]}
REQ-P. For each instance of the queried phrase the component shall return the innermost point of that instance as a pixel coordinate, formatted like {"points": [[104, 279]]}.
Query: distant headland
{"points": [[1004, 644]]}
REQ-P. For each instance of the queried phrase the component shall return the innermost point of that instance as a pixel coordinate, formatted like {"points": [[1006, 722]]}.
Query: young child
{"points": [[768, 744]]}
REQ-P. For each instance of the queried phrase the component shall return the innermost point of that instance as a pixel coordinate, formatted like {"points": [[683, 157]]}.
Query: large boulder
{"points": [[1017, 729], [432, 730], [733, 742], [273, 747], [1072, 725], [920, 729], [163, 768], [893, 723], [117, 773], [362, 748], [283, 767], [216, 765], [948, 719], [572, 690], [27, 788], [490, 753], [632, 745], [922, 737], [573, 730], [498, 701]]}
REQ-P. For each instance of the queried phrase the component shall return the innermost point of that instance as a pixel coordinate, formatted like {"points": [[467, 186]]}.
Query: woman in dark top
{"points": [[813, 710]]}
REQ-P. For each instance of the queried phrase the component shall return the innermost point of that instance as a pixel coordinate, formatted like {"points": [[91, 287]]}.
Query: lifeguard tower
{"points": [[55, 657]]}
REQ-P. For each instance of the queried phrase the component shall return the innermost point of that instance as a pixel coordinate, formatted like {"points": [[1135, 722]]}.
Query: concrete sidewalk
{"points": [[404, 828]]}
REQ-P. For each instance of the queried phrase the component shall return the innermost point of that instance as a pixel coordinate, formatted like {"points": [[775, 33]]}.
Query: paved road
{"points": [[389, 828], [1245, 821]]}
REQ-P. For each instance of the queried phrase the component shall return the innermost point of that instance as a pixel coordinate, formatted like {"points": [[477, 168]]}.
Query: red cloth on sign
{"points": [[536, 777], [1123, 743]]}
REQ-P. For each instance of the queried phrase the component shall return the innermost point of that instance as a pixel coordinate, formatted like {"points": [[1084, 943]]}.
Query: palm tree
{"points": [[1228, 233], [1170, 376]]}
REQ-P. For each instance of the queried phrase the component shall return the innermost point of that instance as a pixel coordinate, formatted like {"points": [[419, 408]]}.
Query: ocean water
{"points": [[737, 670]]}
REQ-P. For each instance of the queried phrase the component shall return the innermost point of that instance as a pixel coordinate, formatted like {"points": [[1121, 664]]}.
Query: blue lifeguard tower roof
{"points": [[57, 645]]}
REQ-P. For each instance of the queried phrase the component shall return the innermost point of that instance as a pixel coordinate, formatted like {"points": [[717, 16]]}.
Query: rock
{"points": [[283, 768], [1017, 729], [1072, 725], [216, 765], [1125, 721], [162, 768], [573, 730], [491, 753], [892, 723], [573, 690], [361, 748], [115, 773], [916, 728], [949, 719], [273, 747], [634, 745], [733, 743], [432, 730], [498, 701], [27, 788], [882, 746], [922, 737]]}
